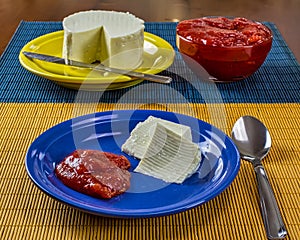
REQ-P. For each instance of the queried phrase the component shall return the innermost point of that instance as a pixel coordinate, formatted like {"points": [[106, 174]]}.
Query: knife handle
{"points": [[156, 78], [145, 76]]}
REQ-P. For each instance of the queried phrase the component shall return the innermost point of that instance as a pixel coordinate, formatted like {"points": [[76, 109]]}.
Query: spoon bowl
{"points": [[253, 141], [251, 138]]}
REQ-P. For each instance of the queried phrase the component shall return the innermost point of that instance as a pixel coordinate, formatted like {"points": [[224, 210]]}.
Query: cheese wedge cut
{"points": [[114, 38], [169, 156], [140, 137], [165, 150]]}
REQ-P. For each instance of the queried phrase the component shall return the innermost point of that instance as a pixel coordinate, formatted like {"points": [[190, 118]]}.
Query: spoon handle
{"points": [[271, 215]]}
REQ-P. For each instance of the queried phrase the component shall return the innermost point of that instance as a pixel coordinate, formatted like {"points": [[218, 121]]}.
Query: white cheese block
{"points": [[165, 149], [169, 156], [114, 38], [140, 137]]}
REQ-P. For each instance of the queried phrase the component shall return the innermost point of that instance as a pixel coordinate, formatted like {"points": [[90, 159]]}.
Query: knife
{"points": [[98, 67]]}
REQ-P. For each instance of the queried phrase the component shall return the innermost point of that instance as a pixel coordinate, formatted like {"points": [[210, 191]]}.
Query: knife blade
{"points": [[98, 67]]}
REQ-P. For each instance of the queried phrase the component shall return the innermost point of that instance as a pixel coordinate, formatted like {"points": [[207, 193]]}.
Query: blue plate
{"points": [[147, 196]]}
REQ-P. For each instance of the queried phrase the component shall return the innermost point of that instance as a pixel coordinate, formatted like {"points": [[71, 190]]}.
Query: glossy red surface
{"points": [[95, 173], [228, 49]]}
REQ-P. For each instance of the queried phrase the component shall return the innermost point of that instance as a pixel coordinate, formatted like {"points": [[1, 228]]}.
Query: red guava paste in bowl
{"points": [[229, 49]]}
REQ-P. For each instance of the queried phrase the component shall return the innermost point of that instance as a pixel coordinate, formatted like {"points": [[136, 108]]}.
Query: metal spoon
{"points": [[253, 141]]}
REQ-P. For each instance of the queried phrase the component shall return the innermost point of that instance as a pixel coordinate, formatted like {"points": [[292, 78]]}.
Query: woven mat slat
{"points": [[28, 213]]}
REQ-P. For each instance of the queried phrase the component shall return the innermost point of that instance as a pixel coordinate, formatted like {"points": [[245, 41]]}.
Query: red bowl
{"points": [[229, 49]]}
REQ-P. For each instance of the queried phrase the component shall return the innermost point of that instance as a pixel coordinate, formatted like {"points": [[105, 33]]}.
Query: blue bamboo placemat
{"points": [[277, 81]]}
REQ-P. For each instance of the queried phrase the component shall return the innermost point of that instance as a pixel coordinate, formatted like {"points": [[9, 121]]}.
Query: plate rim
{"points": [[137, 213], [78, 80]]}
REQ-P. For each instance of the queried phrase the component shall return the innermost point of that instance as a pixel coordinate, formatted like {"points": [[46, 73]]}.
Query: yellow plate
{"points": [[158, 55]]}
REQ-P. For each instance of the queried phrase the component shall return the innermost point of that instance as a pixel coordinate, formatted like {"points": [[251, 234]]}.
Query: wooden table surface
{"points": [[285, 14]]}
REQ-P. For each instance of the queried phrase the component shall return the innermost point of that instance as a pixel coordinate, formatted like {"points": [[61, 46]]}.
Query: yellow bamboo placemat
{"points": [[28, 213]]}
